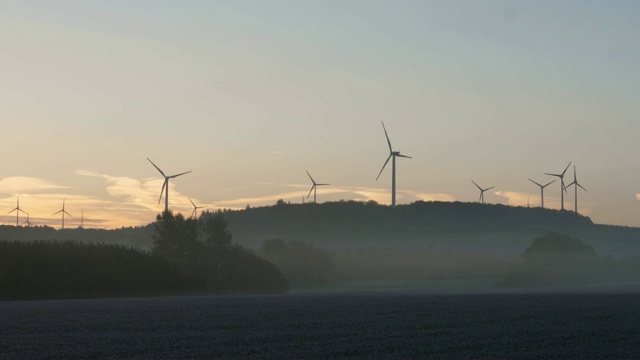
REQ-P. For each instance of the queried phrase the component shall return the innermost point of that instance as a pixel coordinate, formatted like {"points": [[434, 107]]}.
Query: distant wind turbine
{"points": [[575, 184], [563, 189], [195, 208], [314, 187], [28, 223], [82, 219], [542, 190], [481, 199], [165, 185], [17, 210], [63, 211], [392, 154]]}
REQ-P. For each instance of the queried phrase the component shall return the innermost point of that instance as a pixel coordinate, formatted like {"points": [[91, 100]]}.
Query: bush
{"points": [[555, 259]]}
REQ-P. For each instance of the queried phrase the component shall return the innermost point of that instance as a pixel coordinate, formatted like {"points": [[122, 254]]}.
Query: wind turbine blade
{"points": [[565, 169], [312, 186], [536, 182], [155, 166], [387, 136], [549, 183], [581, 187], [487, 189], [313, 181], [404, 156], [162, 191], [322, 184], [385, 164], [175, 176], [563, 185], [474, 183], [57, 212], [65, 211], [22, 211], [194, 205], [557, 175]]}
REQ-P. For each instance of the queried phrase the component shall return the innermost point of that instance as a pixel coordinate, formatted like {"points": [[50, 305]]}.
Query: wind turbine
{"points": [[17, 210], [576, 184], [314, 187], [63, 211], [542, 191], [392, 154], [195, 208], [82, 219], [563, 189], [28, 223], [165, 185], [481, 199]]}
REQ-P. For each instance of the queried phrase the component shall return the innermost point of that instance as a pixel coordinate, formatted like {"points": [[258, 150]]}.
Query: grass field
{"points": [[377, 325]]}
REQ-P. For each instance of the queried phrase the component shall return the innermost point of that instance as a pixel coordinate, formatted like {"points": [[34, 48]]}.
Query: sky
{"points": [[248, 95]]}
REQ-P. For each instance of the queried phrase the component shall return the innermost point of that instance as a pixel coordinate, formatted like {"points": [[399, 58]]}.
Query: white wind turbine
{"points": [[392, 154], [28, 223], [17, 210], [63, 211], [165, 185], [481, 199], [542, 191], [575, 184], [314, 187], [563, 189], [195, 208]]}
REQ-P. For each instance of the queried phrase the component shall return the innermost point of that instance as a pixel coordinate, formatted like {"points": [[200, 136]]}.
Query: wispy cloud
{"points": [[515, 198], [25, 184]]}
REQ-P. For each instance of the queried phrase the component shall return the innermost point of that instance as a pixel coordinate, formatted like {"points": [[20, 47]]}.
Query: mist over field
{"points": [[455, 246]]}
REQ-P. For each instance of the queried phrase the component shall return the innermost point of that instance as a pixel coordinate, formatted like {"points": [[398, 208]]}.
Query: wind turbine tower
{"points": [[314, 188], [392, 154], [17, 210], [542, 191], [563, 189], [195, 208], [165, 185], [576, 184], [481, 199], [63, 211]]}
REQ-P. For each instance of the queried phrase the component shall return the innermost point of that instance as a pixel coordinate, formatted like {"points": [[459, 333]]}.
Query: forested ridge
{"points": [[353, 224]]}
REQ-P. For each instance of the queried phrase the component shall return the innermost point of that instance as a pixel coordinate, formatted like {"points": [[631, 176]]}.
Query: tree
{"points": [[217, 234], [176, 239], [555, 259]]}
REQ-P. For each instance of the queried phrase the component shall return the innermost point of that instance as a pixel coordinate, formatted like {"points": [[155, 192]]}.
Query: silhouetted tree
{"points": [[217, 234], [556, 259]]}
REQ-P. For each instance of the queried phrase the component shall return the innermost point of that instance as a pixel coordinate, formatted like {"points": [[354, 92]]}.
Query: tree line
{"points": [[188, 256]]}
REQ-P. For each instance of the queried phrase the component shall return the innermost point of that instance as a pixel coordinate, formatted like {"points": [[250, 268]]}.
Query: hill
{"points": [[351, 224]]}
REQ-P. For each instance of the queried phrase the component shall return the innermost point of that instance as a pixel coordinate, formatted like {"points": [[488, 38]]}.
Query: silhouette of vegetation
{"points": [[188, 256], [555, 259], [220, 265], [303, 264], [355, 224], [70, 269]]}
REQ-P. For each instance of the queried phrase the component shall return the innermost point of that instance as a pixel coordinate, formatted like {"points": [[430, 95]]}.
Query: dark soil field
{"points": [[375, 325]]}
